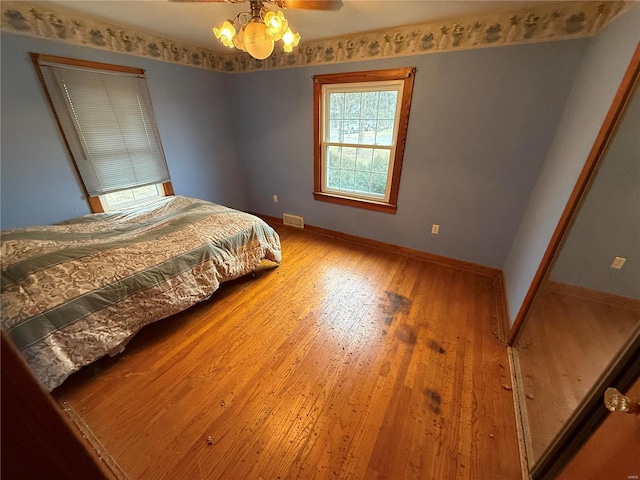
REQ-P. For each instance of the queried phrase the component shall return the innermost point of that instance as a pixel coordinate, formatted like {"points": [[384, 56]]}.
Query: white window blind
{"points": [[109, 125]]}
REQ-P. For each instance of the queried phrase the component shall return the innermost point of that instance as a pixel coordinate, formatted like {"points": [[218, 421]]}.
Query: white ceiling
{"points": [[191, 22]]}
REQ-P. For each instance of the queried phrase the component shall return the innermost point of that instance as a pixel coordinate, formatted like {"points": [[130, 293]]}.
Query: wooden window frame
{"points": [[94, 202], [407, 75]]}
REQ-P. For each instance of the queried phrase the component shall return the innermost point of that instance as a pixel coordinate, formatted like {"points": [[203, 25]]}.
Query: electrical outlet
{"points": [[275, 199], [435, 229], [618, 262]]}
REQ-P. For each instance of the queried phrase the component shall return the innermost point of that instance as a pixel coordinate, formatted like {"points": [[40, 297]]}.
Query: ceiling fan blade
{"points": [[291, 4], [313, 4]]}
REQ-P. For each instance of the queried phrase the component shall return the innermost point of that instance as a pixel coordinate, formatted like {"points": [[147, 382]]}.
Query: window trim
{"points": [[396, 86], [94, 201], [407, 75]]}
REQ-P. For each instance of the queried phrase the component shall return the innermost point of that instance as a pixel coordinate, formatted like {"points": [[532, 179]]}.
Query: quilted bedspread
{"points": [[76, 291]]}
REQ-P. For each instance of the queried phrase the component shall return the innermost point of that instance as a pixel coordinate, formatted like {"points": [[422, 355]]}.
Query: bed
{"points": [[76, 291]]}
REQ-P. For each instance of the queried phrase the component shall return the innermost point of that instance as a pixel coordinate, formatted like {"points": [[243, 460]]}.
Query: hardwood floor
{"points": [[343, 362], [569, 339]]}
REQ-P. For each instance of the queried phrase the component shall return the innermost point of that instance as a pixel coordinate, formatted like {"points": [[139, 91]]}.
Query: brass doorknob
{"points": [[617, 402]]}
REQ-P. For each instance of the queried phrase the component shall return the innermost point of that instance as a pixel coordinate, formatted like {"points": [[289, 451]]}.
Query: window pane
{"points": [[145, 192], [363, 137], [363, 182], [349, 158], [347, 179], [364, 159], [335, 131], [351, 128], [380, 161], [360, 170], [352, 105], [384, 132], [387, 106], [333, 157], [131, 196], [336, 109], [116, 198], [378, 183], [365, 118], [333, 178], [370, 105]]}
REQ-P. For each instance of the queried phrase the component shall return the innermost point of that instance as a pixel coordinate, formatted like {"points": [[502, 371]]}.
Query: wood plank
{"points": [[344, 362], [569, 340]]}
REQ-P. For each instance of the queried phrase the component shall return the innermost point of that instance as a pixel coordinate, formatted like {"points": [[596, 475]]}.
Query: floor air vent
{"points": [[293, 220]]}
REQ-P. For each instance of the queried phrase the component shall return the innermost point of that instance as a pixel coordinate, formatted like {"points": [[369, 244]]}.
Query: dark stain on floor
{"points": [[405, 334], [433, 400], [392, 303], [433, 345]]}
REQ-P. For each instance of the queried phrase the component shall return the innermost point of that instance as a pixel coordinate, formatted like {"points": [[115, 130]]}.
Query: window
{"points": [[360, 129], [132, 196], [105, 114]]}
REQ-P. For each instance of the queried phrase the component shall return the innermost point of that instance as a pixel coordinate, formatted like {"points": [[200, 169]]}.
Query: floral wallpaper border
{"points": [[554, 21]]}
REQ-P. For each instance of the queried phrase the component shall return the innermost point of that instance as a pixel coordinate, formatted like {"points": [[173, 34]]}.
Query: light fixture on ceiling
{"points": [[256, 32]]}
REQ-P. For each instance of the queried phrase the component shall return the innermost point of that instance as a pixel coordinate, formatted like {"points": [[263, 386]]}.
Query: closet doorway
{"points": [[581, 333]]}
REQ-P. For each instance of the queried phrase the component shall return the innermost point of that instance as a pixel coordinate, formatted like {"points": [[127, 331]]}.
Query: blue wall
{"points": [[39, 184], [605, 61], [608, 224], [482, 124], [480, 127]]}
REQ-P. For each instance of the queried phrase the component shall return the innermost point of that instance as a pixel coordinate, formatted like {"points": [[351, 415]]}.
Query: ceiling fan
{"points": [[291, 4], [256, 31]]}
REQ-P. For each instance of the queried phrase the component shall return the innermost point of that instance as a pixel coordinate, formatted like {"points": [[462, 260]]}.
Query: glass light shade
{"points": [[225, 33], [238, 40], [258, 44], [290, 40], [276, 24]]}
